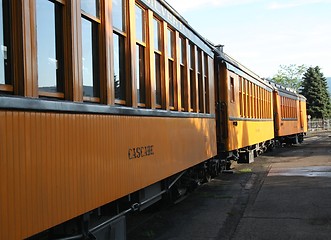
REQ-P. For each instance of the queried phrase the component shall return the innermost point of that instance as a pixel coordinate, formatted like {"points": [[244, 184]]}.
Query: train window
{"points": [[171, 39], [206, 80], [119, 16], [261, 107], [90, 7], [171, 66], [240, 97], [232, 89], [119, 41], [257, 101], [90, 51], [157, 62], [119, 68], [282, 106], [249, 100], [200, 82], [50, 48], [253, 100], [5, 81], [263, 103], [244, 98], [191, 58], [140, 54], [157, 34], [183, 84]]}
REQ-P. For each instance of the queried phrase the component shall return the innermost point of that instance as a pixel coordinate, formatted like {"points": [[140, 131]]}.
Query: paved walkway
{"points": [[294, 201], [283, 195]]}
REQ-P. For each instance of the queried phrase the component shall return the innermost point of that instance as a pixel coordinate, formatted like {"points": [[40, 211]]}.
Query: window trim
{"points": [[97, 82], [60, 46], [6, 88], [141, 45]]}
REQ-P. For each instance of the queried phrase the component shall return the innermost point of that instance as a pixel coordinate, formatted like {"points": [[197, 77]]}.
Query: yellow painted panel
{"points": [[290, 127], [54, 166], [303, 116], [247, 133]]}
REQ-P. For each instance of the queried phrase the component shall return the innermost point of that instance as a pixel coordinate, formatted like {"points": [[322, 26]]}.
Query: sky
{"points": [[263, 34]]}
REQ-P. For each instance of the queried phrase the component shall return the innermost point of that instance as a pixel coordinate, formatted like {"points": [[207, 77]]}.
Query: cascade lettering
{"points": [[140, 152]]}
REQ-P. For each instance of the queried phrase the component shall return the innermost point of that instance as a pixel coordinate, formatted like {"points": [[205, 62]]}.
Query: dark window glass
{"points": [[182, 53], [192, 57], [4, 42], [119, 67], [200, 82], [119, 14], [182, 85], [182, 50], [170, 44], [140, 24], [231, 89], [171, 84], [158, 78], [192, 75], [141, 89], [189, 60], [157, 61], [192, 88], [171, 55], [91, 7], [157, 44], [90, 59], [49, 46], [206, 74], [140, 51], [3, 49]]}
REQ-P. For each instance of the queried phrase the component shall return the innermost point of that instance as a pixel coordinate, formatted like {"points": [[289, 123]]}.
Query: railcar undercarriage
{"points": [[109, 221]]}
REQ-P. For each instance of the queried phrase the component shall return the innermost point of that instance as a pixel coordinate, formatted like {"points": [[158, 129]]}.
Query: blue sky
{"points": [[263, 34]]}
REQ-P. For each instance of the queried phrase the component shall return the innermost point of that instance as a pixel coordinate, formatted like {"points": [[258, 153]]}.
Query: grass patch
{"points": [[245, 170]]}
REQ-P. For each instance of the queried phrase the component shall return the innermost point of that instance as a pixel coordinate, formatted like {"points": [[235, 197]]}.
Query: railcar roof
{"points": [[240, 68], [286, 90], [182, 26]]}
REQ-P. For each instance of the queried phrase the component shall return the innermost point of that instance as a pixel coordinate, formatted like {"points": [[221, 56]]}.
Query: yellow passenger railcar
{"points": [[290, 115], [246, 116], [103, 106]]}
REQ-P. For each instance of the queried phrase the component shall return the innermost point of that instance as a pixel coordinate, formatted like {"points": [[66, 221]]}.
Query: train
{"points": [[106, 107]]}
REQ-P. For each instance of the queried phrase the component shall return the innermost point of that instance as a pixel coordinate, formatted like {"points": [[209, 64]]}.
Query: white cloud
{"points": [[294, 3]]}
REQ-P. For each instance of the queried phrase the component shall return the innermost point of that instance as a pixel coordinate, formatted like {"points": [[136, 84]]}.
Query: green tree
{"points": [[315, 89], [290, 75]]}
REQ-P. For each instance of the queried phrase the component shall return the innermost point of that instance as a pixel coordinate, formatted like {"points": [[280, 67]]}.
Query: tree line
{"points": [[311, 83]]}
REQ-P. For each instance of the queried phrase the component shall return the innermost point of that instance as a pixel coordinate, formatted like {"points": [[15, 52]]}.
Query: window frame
{"points": [[206, 82], [7, 86], [95, 25], [182, 58], [192, 76], [142, 45], [125, 38], [231, 82], [60, 50], [158, 53], [200, 84], [172, 80]]}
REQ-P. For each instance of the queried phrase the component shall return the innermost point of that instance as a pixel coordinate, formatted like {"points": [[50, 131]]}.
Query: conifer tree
{"points": [[314, 88]]}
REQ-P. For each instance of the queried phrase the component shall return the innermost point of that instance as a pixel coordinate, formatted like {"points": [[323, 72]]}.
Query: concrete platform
{"points": [[285, 194]]}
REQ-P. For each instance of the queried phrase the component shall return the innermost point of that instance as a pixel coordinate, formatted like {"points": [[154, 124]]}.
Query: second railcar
{"points": [[245, 113]]}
